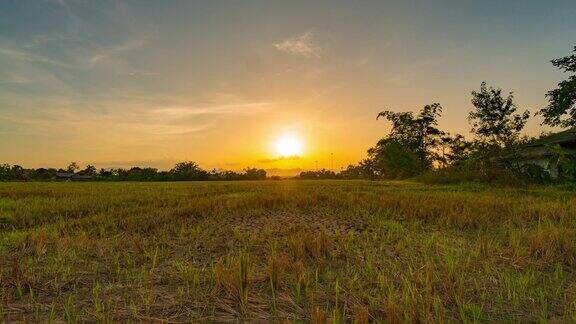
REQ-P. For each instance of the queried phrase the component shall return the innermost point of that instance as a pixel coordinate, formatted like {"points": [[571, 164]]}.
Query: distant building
{"points": [[64, 175], [72, 176], [542, 152]]}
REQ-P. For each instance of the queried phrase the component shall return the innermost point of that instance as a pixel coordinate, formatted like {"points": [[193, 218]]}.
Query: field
{"points": [[348, 251]]}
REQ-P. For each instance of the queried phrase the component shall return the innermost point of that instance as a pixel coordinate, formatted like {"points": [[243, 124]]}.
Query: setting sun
{"points": [[288, 145]]}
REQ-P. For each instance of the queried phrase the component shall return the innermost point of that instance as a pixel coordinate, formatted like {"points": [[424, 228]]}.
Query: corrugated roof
{"points": [[557, 138]]}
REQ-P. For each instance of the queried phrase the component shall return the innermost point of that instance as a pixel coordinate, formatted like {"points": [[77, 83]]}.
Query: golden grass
{"points": [[323, 251]]}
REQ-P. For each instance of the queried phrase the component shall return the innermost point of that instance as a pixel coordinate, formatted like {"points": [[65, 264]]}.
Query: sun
{"points": [[288, 145]]}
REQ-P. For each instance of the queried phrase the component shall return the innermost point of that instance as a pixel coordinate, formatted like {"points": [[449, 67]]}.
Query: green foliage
{"points": [[475, 169], [183, 171], [393, 160], [566, 164], [535, 174], [494, 119], [363, 170], [453, 149], [418, 134], [561, 109]]}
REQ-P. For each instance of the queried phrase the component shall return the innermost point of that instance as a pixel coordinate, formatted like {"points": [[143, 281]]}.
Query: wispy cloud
{"points": [[157, 163], [26, 56], [279, 159], [16, 79], [117, 49], [301, 45], [225, 109], [141, 119]]}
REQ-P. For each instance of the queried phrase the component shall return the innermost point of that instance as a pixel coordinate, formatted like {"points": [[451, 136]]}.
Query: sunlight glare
{"points": [[288, 145]]}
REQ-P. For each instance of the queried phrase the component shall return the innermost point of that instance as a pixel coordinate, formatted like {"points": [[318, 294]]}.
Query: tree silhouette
{"points": [[494, 119], [72, 167], [188, 171], [561, 109], [90, 170], [418, 134]]}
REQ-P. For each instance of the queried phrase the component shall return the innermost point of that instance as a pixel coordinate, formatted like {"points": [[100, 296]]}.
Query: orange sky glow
{"points": [[279, 85]]}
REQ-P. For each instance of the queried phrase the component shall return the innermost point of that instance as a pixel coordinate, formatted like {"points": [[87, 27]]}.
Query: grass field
{"points": [[347, 251]]}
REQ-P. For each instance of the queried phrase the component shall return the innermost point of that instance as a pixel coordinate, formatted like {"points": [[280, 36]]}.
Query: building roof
{"points": [[566, 136], [540, 148], [73, 176]]}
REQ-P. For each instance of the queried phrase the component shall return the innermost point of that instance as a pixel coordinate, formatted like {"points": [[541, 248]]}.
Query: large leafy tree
{"points": [[392, 159], [72, 167], [561, 109], [494, 119], [90, 170], [188, 171], [419, 134]]}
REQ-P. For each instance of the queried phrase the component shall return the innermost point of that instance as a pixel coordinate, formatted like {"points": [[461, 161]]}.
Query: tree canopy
{"points": [[182, 171], [561, 109], [494, 119], [416, 134]]}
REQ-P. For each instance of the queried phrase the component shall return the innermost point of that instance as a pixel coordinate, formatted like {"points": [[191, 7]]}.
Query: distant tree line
{"points": [[182, 171], [416, 146]]}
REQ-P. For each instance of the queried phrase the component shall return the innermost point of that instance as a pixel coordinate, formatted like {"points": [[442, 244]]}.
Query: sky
{"points": [[117, 83]]}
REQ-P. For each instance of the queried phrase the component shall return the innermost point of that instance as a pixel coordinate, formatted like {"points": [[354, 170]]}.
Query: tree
{"points": [[188, 171], [561, 109], [106, 174], [4, 172], [72, 167], [419, 134], [90, 170], [148, 174], [494, 119], [17, 173], [43, 173], [392, 159], [453, 149], [363, 170], [254, 174]]}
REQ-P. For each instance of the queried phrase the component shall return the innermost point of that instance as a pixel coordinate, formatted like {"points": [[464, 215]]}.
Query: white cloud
{"points": [[224, 109], [302, 45], [22, 55], [131, 121], [111, 51]]}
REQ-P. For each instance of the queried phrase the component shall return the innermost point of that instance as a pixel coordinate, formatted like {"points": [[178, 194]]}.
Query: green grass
{"points": [[338, 251]]}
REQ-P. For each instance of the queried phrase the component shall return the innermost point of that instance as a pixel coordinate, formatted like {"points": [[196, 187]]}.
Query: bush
{"points": [[567, 169], [535, 174], [480, 171]]}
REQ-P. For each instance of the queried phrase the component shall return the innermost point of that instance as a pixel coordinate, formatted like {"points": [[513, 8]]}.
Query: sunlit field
{"points": [[319, 251]]}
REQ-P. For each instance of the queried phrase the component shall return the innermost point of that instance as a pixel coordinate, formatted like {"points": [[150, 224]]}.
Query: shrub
{"points": [[475, 171], [535, 174]]}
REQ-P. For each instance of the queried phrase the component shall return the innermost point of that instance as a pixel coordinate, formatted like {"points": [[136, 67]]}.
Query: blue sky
{"points": [[153, 82]]}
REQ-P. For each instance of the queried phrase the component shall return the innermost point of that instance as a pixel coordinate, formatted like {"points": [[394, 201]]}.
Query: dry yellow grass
{"points": [[348, 251]]}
